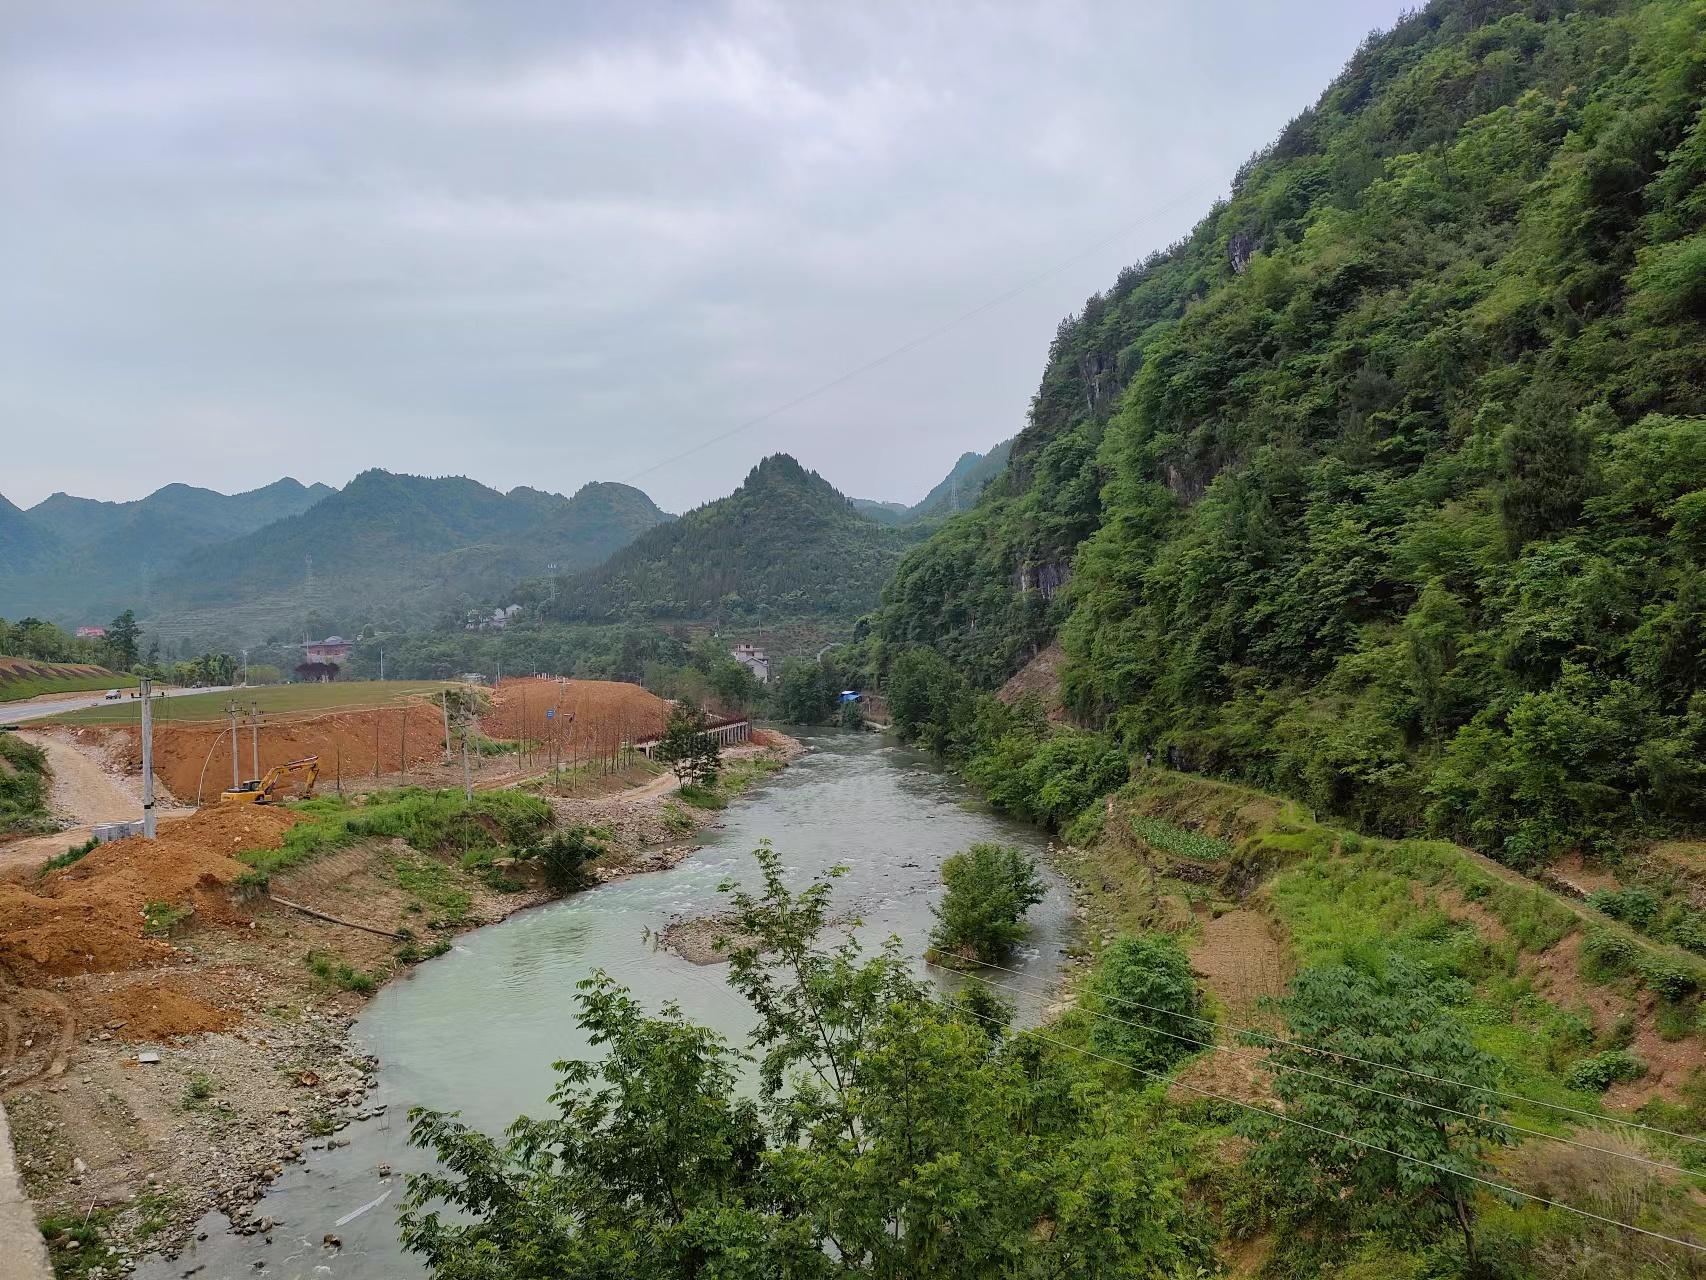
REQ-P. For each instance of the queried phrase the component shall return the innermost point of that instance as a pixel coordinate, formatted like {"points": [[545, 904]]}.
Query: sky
{"points": [[545, 243]]}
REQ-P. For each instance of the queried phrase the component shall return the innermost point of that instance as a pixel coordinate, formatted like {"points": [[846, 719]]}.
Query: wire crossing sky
{"points": [[548, 244]]}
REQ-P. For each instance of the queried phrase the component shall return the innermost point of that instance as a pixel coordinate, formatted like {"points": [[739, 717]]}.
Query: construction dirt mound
{"points": [[195, 759], [590, 718], [158, 1009], [96, 915]]}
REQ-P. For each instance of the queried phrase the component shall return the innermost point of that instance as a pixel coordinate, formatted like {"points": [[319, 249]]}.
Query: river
{"points": [[478, 1029]]}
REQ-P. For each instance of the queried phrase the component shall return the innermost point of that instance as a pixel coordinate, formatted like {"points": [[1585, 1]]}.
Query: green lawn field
{"points": [[19, 690], [277, 698]]}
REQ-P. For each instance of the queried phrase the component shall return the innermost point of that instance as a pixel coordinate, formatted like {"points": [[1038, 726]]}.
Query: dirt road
{"points": [[84, 792]]}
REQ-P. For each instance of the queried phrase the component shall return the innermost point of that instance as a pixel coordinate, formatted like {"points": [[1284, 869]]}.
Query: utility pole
{"points": [[255, 737], [445, 695], [381, 662], [245, 668], [147, 758], [235, 780]]}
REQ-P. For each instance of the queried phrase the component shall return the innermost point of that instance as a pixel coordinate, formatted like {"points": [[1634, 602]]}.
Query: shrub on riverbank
{"points": [[990, 887]]}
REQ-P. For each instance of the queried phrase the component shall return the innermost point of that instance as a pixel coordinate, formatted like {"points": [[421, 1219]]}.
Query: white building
{"points": [[754, 660]]}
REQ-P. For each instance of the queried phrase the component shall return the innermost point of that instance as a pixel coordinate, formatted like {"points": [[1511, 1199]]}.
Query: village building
{"points": [[331, 649], [754, 659]]}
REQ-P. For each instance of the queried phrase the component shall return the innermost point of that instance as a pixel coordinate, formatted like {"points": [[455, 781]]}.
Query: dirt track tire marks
{"points": [[37, 1031]]}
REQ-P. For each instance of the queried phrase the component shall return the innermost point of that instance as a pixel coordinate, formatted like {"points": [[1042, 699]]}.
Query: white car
{"points": [[112, 695]]}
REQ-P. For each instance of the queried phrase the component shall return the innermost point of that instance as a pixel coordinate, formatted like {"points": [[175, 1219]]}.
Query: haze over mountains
{"points": [[956, 491], [402, 550]]}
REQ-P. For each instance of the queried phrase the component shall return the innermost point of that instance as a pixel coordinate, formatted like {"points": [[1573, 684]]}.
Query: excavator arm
{"points": [[264, 790]]}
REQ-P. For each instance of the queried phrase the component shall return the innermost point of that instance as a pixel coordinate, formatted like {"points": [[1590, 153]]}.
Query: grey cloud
{"points": [[544, 244]]}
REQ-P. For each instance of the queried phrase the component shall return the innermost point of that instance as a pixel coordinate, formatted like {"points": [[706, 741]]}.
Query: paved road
{"points": [[14, 713]]}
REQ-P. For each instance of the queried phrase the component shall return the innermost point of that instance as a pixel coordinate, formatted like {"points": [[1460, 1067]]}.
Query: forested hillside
{"points": [[1387, 487], [785, 544], [961, 487]]}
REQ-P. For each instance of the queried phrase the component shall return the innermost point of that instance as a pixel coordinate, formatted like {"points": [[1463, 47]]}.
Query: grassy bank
{"points": [[477, 830], [23, 787], [23, 688]]}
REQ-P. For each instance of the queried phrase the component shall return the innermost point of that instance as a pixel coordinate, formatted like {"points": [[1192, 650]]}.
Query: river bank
{"points": [[153, 1079]]}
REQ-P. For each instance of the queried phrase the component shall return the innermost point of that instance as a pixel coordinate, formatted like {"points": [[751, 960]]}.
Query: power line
{"points": [[1350, 1084], [1358, 1142], [928, 336], [1281, 1041]]}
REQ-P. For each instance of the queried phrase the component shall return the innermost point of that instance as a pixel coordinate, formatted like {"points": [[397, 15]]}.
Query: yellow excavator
{"points": [[265, 789]]}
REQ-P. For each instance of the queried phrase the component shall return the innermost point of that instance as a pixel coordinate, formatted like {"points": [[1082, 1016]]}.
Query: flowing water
{"points": [[478, 1029]]}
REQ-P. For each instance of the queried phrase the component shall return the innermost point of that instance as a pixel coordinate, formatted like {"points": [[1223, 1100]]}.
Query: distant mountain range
{"points": [[78, 560], [401, 551]]}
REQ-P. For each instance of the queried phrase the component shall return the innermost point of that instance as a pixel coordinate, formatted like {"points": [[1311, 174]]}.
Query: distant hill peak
{"points": [[958, 491]]}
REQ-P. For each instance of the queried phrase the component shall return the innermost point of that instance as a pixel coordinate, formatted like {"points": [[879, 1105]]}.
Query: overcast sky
{"points": [[543, 243]]}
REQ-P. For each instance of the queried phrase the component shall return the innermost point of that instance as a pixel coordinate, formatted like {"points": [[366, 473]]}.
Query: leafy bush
{"points": [[564, 856], [990, 887], [1048, 777], [200, 1089], [1667, 978], [1600, 1072], [1635, 905], [1607, 955], [1145, 1004]]}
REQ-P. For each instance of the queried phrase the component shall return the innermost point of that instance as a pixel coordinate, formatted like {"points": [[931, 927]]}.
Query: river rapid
{"points": [[478, 1029]]}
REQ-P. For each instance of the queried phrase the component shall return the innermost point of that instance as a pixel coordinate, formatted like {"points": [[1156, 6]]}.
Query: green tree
{"points": [[1148, 1011], [690, 751], [124, 638], [1547, 456], [1361, 1163], [882, 1141], [989, 889], [802, 695], [929, 700]]}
